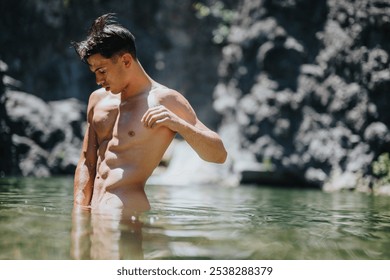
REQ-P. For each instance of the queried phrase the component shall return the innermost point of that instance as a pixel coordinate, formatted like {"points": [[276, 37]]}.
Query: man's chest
{"points": [[122, 124]]}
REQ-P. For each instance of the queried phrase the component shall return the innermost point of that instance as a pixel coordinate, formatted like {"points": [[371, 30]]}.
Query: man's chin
{"points": [[110, 90]]}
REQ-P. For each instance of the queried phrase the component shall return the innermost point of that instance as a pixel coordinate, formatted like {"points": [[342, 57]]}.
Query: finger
{"points": [[160, 122], [150, 112], [147, 113], [159, 117], [150, 118], [146, 117]]}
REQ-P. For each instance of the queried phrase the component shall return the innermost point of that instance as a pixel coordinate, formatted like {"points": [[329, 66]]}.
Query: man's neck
{"points": [[140, 82]]}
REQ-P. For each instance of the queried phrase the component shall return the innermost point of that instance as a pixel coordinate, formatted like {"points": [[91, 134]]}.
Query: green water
{"points": [[195, 222]]}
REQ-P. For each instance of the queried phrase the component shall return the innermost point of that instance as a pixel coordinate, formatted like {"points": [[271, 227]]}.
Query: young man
{"points": [[131, 122]]}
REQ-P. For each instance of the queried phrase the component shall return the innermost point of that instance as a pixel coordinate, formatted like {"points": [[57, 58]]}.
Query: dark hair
{"points": [[107, 38]]}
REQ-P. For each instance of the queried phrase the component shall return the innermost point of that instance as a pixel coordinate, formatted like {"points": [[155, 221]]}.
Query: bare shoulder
{"points": [[163, 94], [94, 98], [174, 101]]}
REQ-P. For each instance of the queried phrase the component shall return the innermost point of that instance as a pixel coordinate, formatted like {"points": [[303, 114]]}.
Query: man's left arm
{"points": [[175, 112]]}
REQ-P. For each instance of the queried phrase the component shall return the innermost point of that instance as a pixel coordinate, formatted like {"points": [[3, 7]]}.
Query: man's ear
{"points": [[127, 59]]}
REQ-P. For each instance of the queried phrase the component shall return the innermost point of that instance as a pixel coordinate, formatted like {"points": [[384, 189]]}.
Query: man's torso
{"points": [[128, 152]]}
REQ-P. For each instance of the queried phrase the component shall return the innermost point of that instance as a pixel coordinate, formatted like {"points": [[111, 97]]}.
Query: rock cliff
{"points": [[44, 85], [303, 87], [38, 138], [299, 86]]}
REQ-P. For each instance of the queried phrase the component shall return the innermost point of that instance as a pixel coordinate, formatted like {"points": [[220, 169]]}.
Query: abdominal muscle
{"points": [[121, 176], [120, 189]]}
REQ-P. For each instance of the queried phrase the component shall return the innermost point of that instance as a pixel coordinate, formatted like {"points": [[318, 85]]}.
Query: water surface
{"points": [[194, 222]]}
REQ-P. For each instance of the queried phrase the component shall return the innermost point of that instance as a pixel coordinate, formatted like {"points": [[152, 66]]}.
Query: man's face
{"points": [[108, 72]]}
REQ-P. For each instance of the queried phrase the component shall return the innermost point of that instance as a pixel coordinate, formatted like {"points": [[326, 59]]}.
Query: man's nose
{"points": [[99, 81]]}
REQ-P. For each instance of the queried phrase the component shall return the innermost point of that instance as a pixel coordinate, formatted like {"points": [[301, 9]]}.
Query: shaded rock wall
{"points": [[173, 46], [301, 85], [5, 137], [38, 138], [44, 84], [307, 83]]}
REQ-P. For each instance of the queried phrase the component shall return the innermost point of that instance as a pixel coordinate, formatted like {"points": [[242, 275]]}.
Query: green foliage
{"points": [[219, 12], [381, 168]]}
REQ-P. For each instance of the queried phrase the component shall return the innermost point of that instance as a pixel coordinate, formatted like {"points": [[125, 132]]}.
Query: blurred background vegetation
{"points": [[298, 89]]}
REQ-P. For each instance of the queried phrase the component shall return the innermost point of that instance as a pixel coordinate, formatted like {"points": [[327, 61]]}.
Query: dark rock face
{"points": [[5, 137], [41, 133], [306, 82], [36, 35], [39, 138], [300, 85]]}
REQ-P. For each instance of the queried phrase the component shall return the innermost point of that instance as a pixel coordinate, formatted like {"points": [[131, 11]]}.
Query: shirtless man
{"points": [[131, 121]]}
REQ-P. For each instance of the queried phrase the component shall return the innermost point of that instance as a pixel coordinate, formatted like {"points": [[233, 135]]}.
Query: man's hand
{"points": [[161, 116], [176, 113]]}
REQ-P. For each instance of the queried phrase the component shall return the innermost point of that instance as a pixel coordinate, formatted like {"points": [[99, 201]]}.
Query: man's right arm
{"points": [[86, 168]]}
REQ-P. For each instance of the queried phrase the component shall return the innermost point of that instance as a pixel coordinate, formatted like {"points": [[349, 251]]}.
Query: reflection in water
{"points": [[105, 236], [194, 222]]}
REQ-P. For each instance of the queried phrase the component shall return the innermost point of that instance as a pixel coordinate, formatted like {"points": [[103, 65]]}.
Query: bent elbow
{"points": [[219, 158], [222, 158]]}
